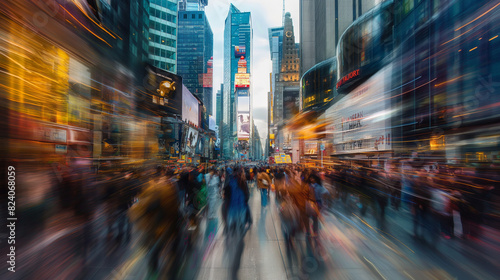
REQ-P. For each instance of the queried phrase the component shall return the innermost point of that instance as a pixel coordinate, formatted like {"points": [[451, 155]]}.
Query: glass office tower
{"points": [[237, 43], [194, 55], [163, 34]]}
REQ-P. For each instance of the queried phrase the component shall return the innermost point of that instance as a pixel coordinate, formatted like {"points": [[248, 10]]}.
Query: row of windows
{"points": [[162, 15], [164, 65], [165, 4], [162, 27], [162, 40], [193, 16], [161, 52]]}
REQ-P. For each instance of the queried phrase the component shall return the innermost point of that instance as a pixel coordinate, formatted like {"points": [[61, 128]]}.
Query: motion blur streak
{"points": [[382, 155]]}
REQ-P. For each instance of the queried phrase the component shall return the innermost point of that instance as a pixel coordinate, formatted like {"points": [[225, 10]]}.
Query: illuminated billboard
{"points": [[243, 125], [190, 107], [362, 120], [242, 80], [190, 140], [162, 91], [239, 51]]}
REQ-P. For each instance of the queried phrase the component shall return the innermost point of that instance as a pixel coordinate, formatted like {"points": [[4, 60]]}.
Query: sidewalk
{"points": [[465, 259]]}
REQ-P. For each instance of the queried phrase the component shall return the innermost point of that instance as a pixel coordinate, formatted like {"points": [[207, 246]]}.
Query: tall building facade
{"points": [[194, 55], [163, 34], [133, 29], [322, 22], [218, 106], [238, 36], [276, 49], [284, 85]]}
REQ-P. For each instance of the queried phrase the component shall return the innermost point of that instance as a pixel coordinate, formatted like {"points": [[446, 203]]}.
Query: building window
{"points": [[185, 16], [193, 16], [200, 16]]}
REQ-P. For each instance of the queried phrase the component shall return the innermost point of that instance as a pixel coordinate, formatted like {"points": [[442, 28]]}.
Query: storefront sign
{"points": [[347, 77], [361, 121]]}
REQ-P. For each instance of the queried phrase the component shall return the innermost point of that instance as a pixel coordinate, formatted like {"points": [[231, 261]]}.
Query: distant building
{"points": [[163, 34], [238, 36], [194, 55], [218, 106]]}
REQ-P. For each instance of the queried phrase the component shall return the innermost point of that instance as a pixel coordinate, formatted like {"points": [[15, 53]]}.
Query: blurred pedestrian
{"points": [[263, 183]]}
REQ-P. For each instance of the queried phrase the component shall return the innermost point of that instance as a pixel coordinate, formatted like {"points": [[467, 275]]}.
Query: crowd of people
{"points": [[166, 204]]}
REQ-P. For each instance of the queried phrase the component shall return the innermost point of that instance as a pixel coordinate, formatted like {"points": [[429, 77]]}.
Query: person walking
{"points": [[213, 182], [236, 212], [263, 183]]}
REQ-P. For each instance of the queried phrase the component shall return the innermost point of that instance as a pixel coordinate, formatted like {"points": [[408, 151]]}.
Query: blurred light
{"points": [[493, 38], [85, 27], [449, 81], [477, 17], [473, 49]]}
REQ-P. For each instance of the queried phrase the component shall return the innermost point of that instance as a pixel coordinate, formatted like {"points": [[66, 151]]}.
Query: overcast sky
{"points": [[265, 14]]}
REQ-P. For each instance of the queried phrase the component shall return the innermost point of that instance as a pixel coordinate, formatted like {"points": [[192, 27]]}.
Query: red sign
{"points": [[347, 77], [271, 160]]}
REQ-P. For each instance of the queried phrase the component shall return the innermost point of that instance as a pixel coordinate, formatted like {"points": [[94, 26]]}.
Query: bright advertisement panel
{"points": [[243, 124], [362, 119], [242, 80], [311, 147], [277, 159], [190, 107], [190, 140], [211, 123], [239, 51]]}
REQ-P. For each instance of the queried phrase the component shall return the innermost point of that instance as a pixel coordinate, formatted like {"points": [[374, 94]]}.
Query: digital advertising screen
{"points": [[243, 125], [190, 107], [191, 140]]}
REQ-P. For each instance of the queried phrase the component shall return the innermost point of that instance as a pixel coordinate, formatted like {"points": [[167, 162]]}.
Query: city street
{"points": [[139, 139]]}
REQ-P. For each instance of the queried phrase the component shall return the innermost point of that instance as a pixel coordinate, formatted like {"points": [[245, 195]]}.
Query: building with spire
{"points": [[284, 99], [238, 37]]}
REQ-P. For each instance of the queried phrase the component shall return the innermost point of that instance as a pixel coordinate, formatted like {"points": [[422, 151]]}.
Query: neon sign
{"points": [[347, 77]]}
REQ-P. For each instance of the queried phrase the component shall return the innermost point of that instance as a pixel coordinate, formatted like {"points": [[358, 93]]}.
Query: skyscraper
{"points": [[276, 49], [284, 83], [322, 22], [163, 34], [218, 106], [132, 49], [238, 36], [194, 55]]}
